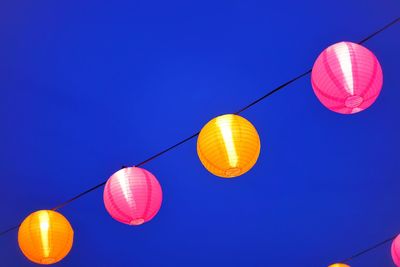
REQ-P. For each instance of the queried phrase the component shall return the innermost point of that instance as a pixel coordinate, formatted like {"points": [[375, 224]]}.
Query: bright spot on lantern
{"points": [[396, 251], [228, 146], [347, 78], [132, 196], [339, 265], [45, 237]]}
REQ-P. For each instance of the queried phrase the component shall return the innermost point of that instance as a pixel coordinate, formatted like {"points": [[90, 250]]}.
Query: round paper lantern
{"points": [[347, 78], [396, 251], [339, 265], [132, 196], [228, 146], [45, 237]]}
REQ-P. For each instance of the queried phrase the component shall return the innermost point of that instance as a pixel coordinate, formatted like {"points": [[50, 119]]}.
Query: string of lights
{"points": [[248, 106]]}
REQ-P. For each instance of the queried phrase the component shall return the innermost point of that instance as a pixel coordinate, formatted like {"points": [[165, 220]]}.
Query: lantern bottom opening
{"points": [[48, 261], [138, 221], [231, 172], [353, 101]]}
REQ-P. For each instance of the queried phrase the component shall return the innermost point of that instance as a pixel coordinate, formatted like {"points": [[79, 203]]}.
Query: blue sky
{"points": [[89, 86]]}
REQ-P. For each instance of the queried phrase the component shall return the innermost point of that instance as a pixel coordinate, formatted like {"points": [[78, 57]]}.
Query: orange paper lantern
{"points": [[45, 237], [228, 146]]}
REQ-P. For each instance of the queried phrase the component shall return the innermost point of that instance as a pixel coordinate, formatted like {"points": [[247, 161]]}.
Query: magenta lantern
{"points": [[347, 78], [132, 196], [396, 251]]}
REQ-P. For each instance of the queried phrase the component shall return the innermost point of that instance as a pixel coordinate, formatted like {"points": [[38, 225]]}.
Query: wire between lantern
{"points": [[369, 249], [270, 93]]}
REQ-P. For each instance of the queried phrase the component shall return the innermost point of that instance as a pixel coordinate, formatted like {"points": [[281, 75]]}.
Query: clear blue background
{"points": [[89, 86]]}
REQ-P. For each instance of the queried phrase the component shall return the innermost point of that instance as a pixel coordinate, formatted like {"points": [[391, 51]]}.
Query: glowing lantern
{"points": [[228, 146], [45, 237], [132, 196], [396, 251], [339, 265], [347, 78]]}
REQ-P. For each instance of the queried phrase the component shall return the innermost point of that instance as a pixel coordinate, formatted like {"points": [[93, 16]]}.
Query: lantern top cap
{"points": [[45, 211]]}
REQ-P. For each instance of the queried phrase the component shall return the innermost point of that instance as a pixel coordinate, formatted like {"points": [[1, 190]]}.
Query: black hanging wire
{"points": [[369, 249], [380, 30], [270, 93], [9, 229], [280, 87]]}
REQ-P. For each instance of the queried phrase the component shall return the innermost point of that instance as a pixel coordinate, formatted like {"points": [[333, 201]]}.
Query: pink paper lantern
{"points": [[396, 251], [347, 78], [132, 196]]}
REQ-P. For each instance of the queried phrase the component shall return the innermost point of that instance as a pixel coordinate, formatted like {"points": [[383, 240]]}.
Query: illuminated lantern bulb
{"points": [[45, 237], [347, 78], [228, 146], [339, 265], [396, 251], [132, 196]]}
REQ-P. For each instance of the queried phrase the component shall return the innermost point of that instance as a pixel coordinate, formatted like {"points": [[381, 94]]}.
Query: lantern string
{"points": [[270, 93], [237, 112], [9, 229], [274, 91], [65, 203], [369, 249], [380, 30]]}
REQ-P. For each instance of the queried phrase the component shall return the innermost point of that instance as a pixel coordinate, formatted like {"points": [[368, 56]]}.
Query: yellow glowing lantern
{"points": [[228, 146], [45, 237], [339, 265]]}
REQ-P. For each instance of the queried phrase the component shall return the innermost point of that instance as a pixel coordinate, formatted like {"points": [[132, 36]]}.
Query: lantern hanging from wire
{"points": [[396, 251], [228, 146], [132, 196], [347, 78], [45, 237]]}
